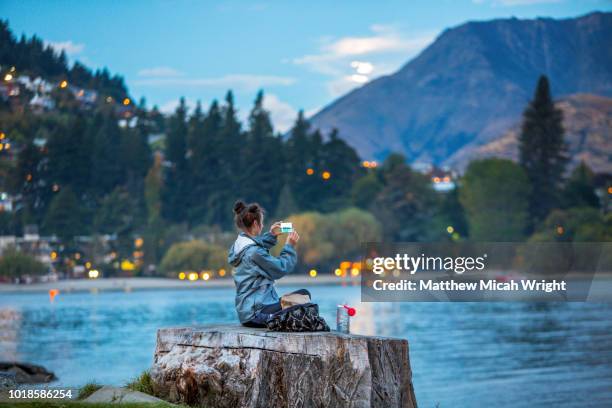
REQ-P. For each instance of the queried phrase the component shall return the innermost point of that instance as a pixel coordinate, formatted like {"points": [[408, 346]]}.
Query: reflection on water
{"points": [[462, 354]]}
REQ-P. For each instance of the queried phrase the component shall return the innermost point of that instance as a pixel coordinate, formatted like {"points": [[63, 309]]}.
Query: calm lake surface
{"points": [[462, 354]]}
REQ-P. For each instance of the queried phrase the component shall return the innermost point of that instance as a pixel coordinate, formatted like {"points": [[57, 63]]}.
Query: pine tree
{"points": [[106, 169], [64, 216], [286, 204], [580, 189], [300, 158], [542, 151], [205, 164], [177, 183], [263, 159], [343, 165]]}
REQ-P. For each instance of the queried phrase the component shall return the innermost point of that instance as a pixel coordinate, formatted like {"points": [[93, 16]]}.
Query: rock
{"points": [[235, 366], [7, 380], [120, 395], [27, 373]]}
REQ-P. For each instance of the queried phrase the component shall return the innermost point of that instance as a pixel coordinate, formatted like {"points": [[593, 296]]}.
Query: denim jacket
{"points": [[255, 271]]}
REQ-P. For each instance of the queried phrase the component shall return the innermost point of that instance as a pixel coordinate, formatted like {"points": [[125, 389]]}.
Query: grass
{"points": [[88, 389], [142, 383]]}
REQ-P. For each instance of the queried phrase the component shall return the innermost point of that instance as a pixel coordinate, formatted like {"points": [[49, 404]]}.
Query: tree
{"points": [[209, 169], [406, 203], [194, 256], [177, 184], [342, 164], [494, 194], [286, 203], [116, 214], [577, 224], [106, 170], [64, 217], [542, 151], [365, 190], [261, 179], [579, 191], [14, 264], [69, 154]]}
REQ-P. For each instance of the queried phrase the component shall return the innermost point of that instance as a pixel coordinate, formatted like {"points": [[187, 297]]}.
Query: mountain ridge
{"points": [[471, 85]]}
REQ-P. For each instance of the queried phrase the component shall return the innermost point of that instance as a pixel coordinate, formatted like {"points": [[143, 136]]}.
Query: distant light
{"points": [[181, 275], [29, 177], [205, 276], [450, 229], [338, 272], [63, 84], [313, 273], [610, 190], [53, 255], [436, 179], [77, 256], [93, 274], [446, 179], [345, 264], [109, 99], [8, 77], [126, 101], [193, 276], [2, 135], [326, 175], [88, 264], [373, 164], [560, 230], [354, 272], [126, 265], [221, 272], [7, 146], [309, 171], [56, 187], [366, 164], [13, 69], [138, 242]]}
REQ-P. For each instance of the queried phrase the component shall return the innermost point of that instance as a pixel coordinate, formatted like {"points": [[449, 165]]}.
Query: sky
{"points": [[303, 54]]}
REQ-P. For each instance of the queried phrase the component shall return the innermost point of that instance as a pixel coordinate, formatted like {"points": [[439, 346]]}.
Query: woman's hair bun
{"points": [[239, 206], [253, 208]]}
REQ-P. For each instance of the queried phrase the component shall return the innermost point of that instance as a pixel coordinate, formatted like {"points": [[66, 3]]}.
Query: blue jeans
{"points": [[268, 310]]}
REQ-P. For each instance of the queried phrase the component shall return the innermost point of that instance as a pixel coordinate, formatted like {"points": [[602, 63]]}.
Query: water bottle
{"points": [[343, 318]]}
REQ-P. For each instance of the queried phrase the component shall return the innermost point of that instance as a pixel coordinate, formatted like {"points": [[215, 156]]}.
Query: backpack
{"points": [[299, 318]]}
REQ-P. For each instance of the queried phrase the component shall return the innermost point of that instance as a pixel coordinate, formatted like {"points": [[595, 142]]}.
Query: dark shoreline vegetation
{"points": [[128, 191]]}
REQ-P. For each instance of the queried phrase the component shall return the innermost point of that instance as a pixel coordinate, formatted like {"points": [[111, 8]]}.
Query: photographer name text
{"points": [[481, 285]]}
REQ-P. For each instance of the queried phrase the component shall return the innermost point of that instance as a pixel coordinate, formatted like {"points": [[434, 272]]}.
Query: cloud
{"points": [[354, 60], [170, 106], [69, 47], [159, 72], [246, 82], [283, 115]]}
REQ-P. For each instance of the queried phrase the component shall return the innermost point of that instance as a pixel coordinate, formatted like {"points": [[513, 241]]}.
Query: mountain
{"points": [[587, 120], [471, 85]]}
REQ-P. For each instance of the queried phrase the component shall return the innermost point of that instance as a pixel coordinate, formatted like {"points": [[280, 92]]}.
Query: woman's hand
{"points": [[293, 238], [275, 229]]}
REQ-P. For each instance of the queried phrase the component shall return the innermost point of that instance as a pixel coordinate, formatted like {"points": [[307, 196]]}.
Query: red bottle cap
{"points": [[351, 311]]}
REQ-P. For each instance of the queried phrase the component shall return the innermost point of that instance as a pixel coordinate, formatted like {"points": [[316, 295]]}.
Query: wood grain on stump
{"points": [[234, 366]]}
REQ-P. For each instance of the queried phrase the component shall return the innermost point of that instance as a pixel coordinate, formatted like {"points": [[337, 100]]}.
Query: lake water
{"points": [[462, 354]]}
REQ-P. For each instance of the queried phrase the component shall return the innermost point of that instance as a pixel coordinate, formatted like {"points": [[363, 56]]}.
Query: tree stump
{"points": [[235, 366]]}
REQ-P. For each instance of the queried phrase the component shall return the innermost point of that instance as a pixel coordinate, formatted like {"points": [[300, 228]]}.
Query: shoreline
{"points": [[141, 283]]}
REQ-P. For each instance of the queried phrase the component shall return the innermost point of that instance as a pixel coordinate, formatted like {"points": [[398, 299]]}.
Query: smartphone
{"points": [[286, 227]]}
